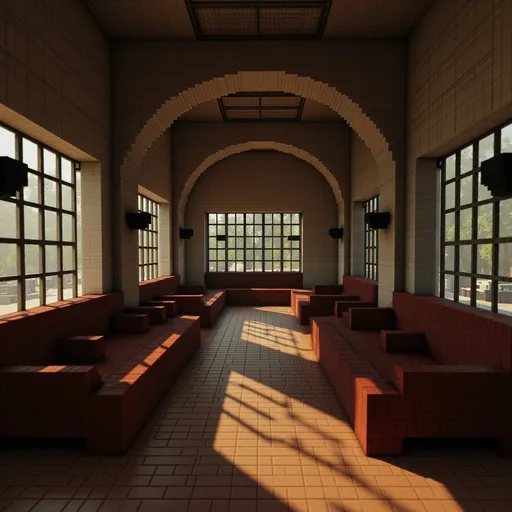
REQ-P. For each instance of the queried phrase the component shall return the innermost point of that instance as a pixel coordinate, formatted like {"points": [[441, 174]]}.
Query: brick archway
{"points": [[257, 145], [264, 81]]}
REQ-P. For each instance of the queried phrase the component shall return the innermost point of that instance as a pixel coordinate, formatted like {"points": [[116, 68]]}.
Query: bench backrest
{"points": [[253, 279], [166, 285], [366, 289], [30, 337], [456, 334]]}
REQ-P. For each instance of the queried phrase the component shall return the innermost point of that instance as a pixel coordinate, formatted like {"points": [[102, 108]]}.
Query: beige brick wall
{"points": [[364, 185], [55, 72], [150, 96], [155, 172], [460, 86], [328, 142], [273, 182]]}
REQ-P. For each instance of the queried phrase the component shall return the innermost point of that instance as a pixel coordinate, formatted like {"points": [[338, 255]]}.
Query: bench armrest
{"points": [[62, 380], [440, 379], [371, 319]]}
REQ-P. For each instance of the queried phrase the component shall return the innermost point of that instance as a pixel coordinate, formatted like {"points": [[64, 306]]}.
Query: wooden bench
{"points": [[258, 296], [196, 300], [329, 300], [392, 387], [106, 403], [63, 373]]}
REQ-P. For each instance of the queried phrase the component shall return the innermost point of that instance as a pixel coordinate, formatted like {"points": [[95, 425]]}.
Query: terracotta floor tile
{"points": [[253, 425]]}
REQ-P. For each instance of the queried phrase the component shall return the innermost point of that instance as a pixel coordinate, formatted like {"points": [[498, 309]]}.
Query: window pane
{"points": [[50, 193], [450, 167], [50, 227], [32, 223], [7, 143], [50, 163], [450, 196], [31, 193], [505, 218], [485, 221], [8, 260], [52, 261], [66, 170], [67, 227], [449, 260], [68, 258], [506, 139], [30, 154], [484, 259], [466, 219], [8, 220], [68, 286], [466, 190], [32, 259], [486, 148], [450, 227], [32, 289], [67, 197], [466, 159], [52, 289], [8, 295], [465, 258], [505, 260], [505, 298]]}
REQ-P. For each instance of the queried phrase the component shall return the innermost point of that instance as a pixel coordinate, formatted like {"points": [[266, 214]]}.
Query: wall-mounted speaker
{"points": [[138, 220], [13, 176], [294, 238], [497, 175], [186, 234], [221, 238], [336, 233], [377, 220]]}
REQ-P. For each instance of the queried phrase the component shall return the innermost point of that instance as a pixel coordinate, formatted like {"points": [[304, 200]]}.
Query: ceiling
{"points": [[167, 20], [255, 107], [171, 20]]}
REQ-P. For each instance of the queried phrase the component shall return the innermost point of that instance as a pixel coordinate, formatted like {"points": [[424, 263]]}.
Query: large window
{"points": [[371, 242], [476, 229], [259, 242], [148, 241], [40, 249]]}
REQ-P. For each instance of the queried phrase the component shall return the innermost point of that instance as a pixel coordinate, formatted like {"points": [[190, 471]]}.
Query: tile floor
{"points": [[252, 425]]}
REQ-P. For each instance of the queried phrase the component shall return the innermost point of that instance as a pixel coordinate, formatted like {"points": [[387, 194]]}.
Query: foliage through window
{"points": [[40, 228], [476, 229], [254, 242], [148, 241], [371, 242]]}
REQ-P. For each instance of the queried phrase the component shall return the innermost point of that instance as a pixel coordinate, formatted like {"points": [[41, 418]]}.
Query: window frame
{"points": [[474, 242], [212, 265], [148, 250], [42, 242], [371, 242]]}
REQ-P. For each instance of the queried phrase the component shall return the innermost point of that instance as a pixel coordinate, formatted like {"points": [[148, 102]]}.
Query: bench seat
{"points": [[390, 395], [258, 296], [106, 403], [208, 306]]}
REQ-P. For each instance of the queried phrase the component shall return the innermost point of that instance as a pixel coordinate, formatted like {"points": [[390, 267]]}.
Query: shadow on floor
{"points": [[253, 424]]}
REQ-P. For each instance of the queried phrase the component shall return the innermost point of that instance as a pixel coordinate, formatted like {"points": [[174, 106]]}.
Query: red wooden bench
{"points": [[63, 373], [329, 300], [398, 376]]}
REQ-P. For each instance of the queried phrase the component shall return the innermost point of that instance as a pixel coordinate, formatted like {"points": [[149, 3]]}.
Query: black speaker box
{"points": [[186, 234], [336, 233], [138, 220], [221, 238], [377, 220], [497, 175], [294, 238], [13, 176]]}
